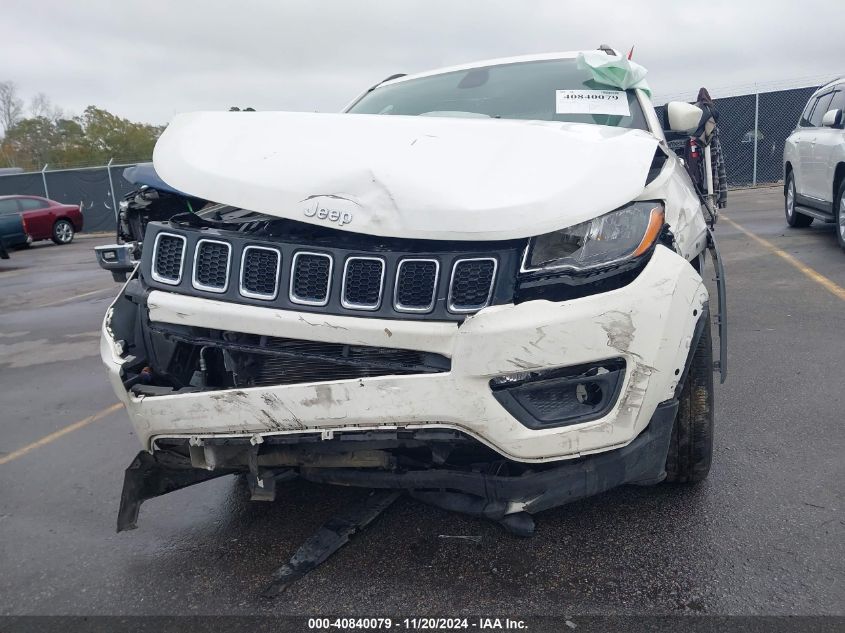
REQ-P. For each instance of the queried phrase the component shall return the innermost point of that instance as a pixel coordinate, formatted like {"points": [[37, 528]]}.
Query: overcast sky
{"points": [[146, 60]]}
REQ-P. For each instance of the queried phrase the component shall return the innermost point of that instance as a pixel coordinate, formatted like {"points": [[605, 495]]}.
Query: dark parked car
{"points": [[44, 219], [12, 231]]}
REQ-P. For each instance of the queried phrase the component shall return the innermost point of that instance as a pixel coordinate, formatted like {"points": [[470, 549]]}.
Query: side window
{"points": [[820, 109], [28, 204], [808, 110], [8, 207], [838, 101]]}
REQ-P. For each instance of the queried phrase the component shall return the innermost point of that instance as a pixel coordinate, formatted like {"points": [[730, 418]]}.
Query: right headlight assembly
{"points": [[608, 241]]}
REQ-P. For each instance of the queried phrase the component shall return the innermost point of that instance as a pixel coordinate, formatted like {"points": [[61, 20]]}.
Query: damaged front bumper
{"points": [[633, 342], [482, 494], [649, 324]]}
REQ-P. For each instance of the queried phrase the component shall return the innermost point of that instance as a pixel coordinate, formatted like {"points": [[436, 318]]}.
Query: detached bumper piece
{"points": [[150, 476], [117, 259], [492, 496], [476, 492], [510, 501], [331, 536]]}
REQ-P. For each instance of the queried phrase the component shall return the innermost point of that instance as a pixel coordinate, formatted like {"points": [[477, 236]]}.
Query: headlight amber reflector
{"points": [[612, 238]]}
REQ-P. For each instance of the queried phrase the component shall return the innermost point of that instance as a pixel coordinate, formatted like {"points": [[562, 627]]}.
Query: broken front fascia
{"points": [[649, 323]]}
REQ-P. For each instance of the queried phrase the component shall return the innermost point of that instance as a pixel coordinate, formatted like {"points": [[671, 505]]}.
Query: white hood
{"points": [[407, 176]]}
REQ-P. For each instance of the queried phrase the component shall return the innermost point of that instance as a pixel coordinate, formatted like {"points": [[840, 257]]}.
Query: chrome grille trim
{"points": [[255, 272], [398, 306], [309, 302], [195, 282], [463, 310], [257, 295], [155, 275], [362, 306]]}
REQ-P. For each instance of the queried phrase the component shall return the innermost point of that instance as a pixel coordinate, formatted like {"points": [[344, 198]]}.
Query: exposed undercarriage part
{"points": [[442, 468], [445, 468]]}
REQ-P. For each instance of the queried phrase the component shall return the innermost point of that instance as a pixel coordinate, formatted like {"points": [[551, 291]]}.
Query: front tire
{"points": [[794, 218], [63, 232], [691, 447], [840, 215]]}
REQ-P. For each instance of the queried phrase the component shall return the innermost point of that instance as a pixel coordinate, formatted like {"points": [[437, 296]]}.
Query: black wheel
{"points": [[63, 232], [691, 446], [840, 214], [793, 218]]}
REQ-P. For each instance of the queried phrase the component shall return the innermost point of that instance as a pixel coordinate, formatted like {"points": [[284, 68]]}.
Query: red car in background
{"points": [[44, 219]]}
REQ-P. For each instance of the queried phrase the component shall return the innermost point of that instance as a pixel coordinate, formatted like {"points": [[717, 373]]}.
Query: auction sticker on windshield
{"points": [[610, 102]]}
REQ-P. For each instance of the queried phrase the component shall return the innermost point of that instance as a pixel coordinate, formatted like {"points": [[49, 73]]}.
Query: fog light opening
{"points": [[560, 397]]}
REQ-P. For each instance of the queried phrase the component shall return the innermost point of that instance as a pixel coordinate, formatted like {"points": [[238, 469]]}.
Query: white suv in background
{"points": [[814, 162]]}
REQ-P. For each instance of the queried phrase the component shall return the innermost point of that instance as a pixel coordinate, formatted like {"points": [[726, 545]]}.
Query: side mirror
{"points": [[832, 118], [682, 117]]}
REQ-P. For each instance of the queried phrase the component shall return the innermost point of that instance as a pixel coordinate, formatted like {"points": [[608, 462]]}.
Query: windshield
{"points": [[550, 90]]}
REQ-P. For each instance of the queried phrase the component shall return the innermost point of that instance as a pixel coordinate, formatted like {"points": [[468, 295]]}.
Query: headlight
{"points": [[612, 238]]}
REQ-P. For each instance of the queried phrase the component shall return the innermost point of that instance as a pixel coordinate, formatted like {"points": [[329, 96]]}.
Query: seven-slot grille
{"points": [[260, 269], [211, 265], [386, 284], [168, 258]]}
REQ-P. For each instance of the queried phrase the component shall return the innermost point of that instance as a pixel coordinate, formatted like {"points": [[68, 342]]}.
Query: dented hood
{"points": [[407, 176]]}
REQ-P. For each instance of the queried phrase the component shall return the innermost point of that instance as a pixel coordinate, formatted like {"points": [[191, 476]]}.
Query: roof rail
{"points": [[607, 50]]}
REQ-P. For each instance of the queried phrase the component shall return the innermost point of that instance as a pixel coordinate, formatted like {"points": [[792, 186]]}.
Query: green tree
{"points": [[110, 136], [30, 142], [92, 138]]}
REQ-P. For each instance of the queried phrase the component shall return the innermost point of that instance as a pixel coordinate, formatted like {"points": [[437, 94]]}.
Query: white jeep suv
{"points": [[481, 285], [814, 162]]}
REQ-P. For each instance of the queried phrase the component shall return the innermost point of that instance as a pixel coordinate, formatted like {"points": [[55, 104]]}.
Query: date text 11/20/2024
{"points": [[416, 624]]}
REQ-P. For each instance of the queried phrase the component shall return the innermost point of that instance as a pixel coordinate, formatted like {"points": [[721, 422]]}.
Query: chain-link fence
{"points": [[753, 129], [96, 189]]}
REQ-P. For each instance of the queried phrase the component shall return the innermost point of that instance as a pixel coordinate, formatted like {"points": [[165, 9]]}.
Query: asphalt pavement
{"points": [[765, 534]]}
